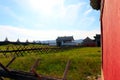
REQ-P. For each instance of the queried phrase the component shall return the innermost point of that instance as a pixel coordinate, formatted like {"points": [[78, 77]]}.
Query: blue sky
{"points": [[47, 19]]}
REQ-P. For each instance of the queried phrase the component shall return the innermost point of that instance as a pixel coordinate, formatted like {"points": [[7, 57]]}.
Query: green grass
{"points": [[84, 62]]}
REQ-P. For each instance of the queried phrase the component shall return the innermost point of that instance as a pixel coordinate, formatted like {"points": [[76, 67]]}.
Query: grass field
{"points": [[84, 62]]}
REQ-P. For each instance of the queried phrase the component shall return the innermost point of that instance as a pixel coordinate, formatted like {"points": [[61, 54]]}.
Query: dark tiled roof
{"points": [[87, 39], [65, 38]]}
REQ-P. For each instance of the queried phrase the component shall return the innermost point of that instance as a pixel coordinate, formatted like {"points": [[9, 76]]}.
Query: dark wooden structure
{"points": [[61, 40], [87, 42], [97, 40]]}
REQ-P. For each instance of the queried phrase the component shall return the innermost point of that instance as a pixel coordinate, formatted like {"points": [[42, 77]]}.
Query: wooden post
{"points": [[1, 78], [3, 67], [34, 65], [66, 70], [11, 61]]}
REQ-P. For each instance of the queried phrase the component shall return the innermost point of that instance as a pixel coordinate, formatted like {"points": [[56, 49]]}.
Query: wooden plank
{"points": [[11, 61], [35, 65], [20, 75], [3, 67], [66, 70], [1, 78]]}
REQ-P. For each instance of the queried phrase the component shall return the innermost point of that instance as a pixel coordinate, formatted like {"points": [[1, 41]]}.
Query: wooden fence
{"points": [[22, 50], [31, 75]]}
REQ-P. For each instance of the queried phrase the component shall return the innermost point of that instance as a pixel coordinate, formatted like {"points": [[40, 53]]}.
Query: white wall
{"points": [[70, 44]]}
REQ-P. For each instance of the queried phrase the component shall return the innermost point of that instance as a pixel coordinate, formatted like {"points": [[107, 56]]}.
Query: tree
{"points": [[95, 4]]}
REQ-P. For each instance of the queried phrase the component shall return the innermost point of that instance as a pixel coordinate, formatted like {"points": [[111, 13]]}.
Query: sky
{"points": [[47, 19]]}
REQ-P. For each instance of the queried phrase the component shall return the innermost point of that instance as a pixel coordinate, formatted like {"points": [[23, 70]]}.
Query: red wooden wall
{"points": [[111, 39]]}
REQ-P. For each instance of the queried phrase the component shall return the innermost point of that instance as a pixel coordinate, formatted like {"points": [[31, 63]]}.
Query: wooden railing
{"points": [[21, 50], [32, 75]]}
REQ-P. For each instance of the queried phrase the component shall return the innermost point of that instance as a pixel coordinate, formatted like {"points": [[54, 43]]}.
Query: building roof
{"points": [[65, 38], [87, 39]]}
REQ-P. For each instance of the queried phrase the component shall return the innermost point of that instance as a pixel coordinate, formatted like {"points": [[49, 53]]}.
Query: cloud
{"points": [[49, 19], [13, 33], [87, 12], [10, 12], [46, 7], [55, 14], [54, 11]]}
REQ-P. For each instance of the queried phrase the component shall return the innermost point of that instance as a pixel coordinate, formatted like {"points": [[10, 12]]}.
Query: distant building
{"points": [[87, 42], [18, 41], [98, 40], [65, 41], [27, 41], [6, 40]]}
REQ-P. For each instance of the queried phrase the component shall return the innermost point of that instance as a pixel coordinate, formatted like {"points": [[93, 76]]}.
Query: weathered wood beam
{"points": [[3, 67], [10, 62], [19, 75], [66, 70]]}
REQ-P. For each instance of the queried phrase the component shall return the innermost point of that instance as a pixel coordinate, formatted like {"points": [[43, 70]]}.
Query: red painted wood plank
{"points": [[111, 40]]}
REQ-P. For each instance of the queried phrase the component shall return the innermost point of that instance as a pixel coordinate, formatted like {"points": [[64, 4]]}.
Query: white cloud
{"points": [[87, 12], [49, 13], [71, 13], [46, 7], [56, 14], [13, 33], [10, 12], [53, 10]]}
